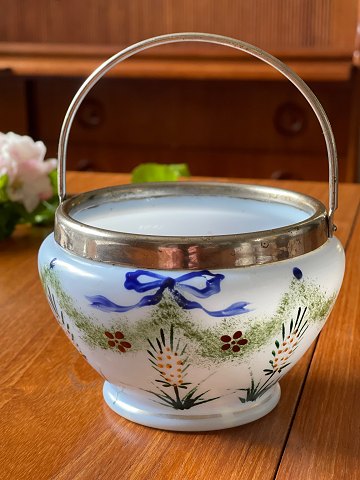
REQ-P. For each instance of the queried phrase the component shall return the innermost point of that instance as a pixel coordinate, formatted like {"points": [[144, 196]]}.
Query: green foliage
{"points": [[254, 392], [156, 172], [204, 341], [53, 181], [3, 184], [12, 213], [182, 403], [8, 219], [42, 215]]}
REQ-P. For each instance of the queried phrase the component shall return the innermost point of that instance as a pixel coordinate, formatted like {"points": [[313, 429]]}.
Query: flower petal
{"points": [[237, 334], [225, 338]]}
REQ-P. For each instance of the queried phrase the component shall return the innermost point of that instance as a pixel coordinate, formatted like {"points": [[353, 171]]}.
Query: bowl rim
{"points": [[191, 252]]}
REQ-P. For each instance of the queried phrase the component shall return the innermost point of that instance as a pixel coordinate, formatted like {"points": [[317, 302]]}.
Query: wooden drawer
{"points": [[229, 128], [13, 113]]}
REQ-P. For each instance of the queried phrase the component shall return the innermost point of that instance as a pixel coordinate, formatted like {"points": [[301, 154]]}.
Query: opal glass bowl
{"points": [[191, 349], [192, 300]]}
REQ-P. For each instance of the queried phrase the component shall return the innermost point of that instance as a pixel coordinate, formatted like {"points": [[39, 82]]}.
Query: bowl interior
{"points": [[194, 215]]}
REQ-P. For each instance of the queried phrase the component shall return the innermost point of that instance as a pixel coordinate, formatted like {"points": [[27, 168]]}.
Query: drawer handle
{"points": [[91, 114], [290, 119]]}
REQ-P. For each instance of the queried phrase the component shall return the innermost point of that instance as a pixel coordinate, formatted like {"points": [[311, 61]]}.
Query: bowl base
{"points": [[184, 421]]}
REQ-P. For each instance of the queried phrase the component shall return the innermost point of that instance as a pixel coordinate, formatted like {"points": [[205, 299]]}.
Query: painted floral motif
{"points": [[234, 343], [211, 343], [176, 286], [174, 357], [289, 343], [256, 391], [66, 327], [52, 303], [170, 363], [61, 320], [116, 340], [59, 316], [282, 354], [170, 360]]}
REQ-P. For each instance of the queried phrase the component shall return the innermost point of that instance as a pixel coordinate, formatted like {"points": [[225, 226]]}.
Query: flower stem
{"points": [[176, 390]]}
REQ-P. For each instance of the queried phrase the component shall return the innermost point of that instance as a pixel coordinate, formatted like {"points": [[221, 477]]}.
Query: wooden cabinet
{"points": [[230, 128], [13, 104], [220, 111], [311, 26]]}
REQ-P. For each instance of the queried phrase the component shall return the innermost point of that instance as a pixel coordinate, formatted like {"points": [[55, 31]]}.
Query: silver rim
{"points": [[192, 253]]}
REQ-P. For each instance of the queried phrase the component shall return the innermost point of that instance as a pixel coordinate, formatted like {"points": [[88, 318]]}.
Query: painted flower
{"points": [[22, 161], [169, 360], [234, 343], [170, 367], [116, 340], [283, 351], [289, 343], [168, 357]]}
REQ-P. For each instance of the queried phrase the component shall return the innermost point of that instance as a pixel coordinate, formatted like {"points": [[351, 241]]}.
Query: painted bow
{"points": [[175, 286]]}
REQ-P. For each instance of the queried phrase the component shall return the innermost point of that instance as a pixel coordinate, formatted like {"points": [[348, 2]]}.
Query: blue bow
{"points": [[162, 283]]}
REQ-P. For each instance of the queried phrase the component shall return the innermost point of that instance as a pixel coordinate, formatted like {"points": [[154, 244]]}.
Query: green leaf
{"points": [[12, 213], [42, 215], [3, 184], [156, 172], [53, 181], [8, 219], [3, 180]]}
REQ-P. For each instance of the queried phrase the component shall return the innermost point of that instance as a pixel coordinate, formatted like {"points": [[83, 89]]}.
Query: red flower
{"points": [[116, 341], [233, 342]]}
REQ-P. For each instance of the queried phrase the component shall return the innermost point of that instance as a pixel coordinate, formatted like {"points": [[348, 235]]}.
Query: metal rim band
{"points": [[191, 253], [219, 40]]}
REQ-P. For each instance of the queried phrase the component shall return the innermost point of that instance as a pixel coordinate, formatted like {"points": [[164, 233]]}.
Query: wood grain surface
{"points": [[54, 423], [328, 445], [34, 40], [70, 66], [307, 24]]}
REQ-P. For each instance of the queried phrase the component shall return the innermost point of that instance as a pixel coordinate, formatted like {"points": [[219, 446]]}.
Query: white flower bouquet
{"points": [[28, 192]]}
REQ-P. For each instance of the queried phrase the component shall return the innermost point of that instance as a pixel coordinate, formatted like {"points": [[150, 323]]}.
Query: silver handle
{"points": [[219, 40]]}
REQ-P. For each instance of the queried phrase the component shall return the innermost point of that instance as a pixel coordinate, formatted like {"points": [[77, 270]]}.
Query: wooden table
{"points": [[54, 423]]}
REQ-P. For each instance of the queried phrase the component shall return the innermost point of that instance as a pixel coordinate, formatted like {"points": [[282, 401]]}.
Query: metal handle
{"points": [[219, 40]]}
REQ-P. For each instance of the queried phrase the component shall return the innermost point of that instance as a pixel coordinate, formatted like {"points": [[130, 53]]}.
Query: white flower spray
{"points": [[27, 183], [23, 162]]}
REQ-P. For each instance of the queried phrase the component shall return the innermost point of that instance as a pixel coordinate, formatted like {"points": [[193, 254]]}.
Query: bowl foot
{"points": [[229, 416]]}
